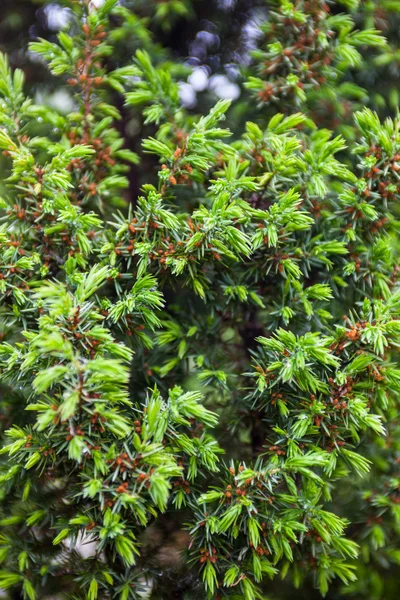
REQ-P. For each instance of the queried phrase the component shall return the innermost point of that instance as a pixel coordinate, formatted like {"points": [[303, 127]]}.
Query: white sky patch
{"points": [[198, 79], [58, 17], [223, 87], [187, 95], [226, 4], [96, 3], [60, 100]]}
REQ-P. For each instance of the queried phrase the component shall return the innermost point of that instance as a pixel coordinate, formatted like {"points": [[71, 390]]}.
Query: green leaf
{"points": [[61, 536]]}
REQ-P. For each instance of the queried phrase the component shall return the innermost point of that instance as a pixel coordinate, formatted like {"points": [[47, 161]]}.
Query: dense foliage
{"points": [[200, 325]]}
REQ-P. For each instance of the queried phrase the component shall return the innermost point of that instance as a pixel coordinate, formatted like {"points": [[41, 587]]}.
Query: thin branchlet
{"points": [[246, 304]]}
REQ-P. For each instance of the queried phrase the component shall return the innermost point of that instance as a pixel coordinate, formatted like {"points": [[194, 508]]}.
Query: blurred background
{"points": [[209, 44], [213, 37]]}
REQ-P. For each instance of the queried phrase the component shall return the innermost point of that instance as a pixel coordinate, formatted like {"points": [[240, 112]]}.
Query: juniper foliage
{"points": [[219, 353]]}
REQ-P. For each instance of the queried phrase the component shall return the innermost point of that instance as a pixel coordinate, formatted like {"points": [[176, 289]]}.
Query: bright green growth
{"points": [[221, 350]]}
